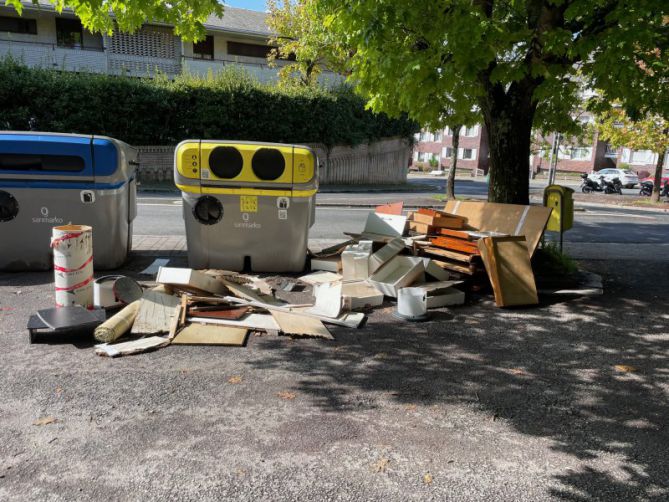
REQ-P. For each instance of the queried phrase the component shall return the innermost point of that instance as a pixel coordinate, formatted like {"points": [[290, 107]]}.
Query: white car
{"points": [[626, 177]]}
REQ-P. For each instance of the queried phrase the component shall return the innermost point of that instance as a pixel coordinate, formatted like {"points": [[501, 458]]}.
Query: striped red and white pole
{"points": [[73, 265]]}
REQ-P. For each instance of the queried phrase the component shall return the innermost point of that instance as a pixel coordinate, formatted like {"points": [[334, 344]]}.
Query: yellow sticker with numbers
{"points": [[248, 203]]}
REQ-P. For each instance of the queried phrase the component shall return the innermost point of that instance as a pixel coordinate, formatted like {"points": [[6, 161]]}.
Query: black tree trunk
{"points": [[508, 118], [450, 183], [655, 197]]}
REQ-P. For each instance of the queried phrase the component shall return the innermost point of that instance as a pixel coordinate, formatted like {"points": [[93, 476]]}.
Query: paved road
{"points": [[162, 216]]}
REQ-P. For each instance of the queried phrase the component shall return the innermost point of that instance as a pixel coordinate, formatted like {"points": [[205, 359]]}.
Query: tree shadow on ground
{"points": [[551, 372]]}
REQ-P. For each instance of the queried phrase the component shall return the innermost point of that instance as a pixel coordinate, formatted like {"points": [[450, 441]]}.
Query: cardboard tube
{"points": [[117, 325], [73, 265]]}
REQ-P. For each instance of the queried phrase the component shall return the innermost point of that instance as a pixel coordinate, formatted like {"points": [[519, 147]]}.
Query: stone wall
{"points": [[383, 162]]}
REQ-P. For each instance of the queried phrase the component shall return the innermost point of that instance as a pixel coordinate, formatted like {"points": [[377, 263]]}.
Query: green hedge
{"points": [[161, 112]]}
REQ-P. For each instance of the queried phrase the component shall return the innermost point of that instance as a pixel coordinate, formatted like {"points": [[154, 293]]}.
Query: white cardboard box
{"points": [[398, 273], [361, 294], [355, 261]]}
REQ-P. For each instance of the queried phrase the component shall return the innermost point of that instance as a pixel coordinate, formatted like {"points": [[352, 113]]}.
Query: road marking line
{"points": [[620, 215]]}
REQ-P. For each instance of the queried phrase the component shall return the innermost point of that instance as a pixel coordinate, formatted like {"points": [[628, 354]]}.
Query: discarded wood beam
{"points": [[459, 245], [155, 313], [453, 255], [436, 218]]}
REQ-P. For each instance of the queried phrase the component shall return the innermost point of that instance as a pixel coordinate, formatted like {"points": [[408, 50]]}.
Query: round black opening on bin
{"points": [[226, 162], [9, 207], [208, 210], [268, 164]]}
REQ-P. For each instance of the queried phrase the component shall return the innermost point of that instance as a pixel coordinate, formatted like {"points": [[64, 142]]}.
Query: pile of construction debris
{"points": [[426, 259]]}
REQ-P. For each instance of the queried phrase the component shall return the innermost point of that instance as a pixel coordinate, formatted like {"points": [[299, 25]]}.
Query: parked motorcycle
{"points": [[646, 188], [613, 186], [589, 185]]}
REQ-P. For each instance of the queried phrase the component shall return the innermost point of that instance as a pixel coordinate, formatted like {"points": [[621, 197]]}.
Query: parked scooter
{"points": [[589, 185]]}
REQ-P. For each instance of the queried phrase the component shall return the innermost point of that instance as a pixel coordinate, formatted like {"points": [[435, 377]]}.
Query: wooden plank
{"points": [[422, 228], [510, 219], [455, 267], [455, 245], [299, 325], [459, 234], [453, 255], [155, 313], [507, 262], [439, 218], [201, 334], [252, 321]]}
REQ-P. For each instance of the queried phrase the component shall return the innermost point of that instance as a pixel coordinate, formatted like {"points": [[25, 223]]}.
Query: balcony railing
{"points": [[53, 56]]}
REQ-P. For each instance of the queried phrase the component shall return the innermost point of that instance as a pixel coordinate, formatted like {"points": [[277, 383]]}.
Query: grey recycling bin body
{"points": [[247, 205], [49, 179]]}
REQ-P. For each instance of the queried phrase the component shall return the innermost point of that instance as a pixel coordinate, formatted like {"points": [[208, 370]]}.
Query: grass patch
{"points": [[550, 260]]}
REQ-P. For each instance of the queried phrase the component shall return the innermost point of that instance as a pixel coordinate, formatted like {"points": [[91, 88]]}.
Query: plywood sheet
{"points": [[155, 313], [201, 334], [507, 262], [300, 325], [510, 219]]}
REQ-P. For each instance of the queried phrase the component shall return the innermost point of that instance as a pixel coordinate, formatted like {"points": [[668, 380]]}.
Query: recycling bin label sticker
{"points": [[248, 203], [283, 202], [283, 214]]}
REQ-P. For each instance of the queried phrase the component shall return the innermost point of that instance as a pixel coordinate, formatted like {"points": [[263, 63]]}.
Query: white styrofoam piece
{"points": [[189, 277], [251, 321], [385, 254], [411, 302], [329, 264], [434, 270], [399, 272], [385, 224], [320, 278], [355, 261], [446, 297], [328, 299]]}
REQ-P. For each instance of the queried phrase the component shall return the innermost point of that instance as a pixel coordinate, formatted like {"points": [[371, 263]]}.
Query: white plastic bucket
{"points": [[73, 265]]}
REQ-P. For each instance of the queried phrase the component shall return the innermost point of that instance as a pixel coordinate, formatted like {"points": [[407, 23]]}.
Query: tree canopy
{"points": [[186, 16], [524, 63], [646, 132]]}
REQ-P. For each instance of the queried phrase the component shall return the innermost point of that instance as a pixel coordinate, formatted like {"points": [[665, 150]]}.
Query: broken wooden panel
{"points": [[509, 219], [361, 294], [507, 262], [155, 313], [132, 347], [299, 325], [422, 228], [458, 245], [262, 322], [202, 334], [393, 208], [451, 255]]}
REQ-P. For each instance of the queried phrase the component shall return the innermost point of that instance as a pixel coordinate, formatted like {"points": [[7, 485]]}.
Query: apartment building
{"points": [[43, 38], [438, 146]]}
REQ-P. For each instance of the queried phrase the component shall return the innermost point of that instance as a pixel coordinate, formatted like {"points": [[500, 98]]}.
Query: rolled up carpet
{"points": [[117, 325]]}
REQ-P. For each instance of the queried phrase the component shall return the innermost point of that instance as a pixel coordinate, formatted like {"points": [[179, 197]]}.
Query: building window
{"points": [[468, 153], [448, 131], [204, 49], [447, 152], [642, 157], [18, 25], [580, 153], [248, 50], [437, 136], [422, 156], [610, 151], [425, 136], [470, 132], [69, 32]]}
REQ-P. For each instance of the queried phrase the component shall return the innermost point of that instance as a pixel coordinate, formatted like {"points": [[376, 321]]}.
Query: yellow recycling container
{"points": [[246, 205], [561, 200]]}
